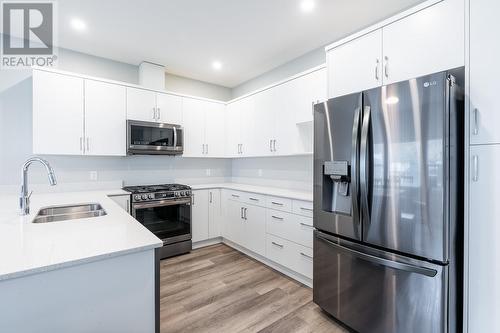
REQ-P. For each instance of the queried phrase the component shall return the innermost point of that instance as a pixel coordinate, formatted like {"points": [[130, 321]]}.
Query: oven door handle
{"points": [[161, 203]]}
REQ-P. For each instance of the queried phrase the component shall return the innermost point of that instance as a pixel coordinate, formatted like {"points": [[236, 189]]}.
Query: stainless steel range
{"points": [[166, 211]]}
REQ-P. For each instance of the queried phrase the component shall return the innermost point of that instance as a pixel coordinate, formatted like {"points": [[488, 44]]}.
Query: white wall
{"points": [[184, 85]]}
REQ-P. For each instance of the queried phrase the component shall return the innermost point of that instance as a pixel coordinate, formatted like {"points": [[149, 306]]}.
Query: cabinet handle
{"points": [[386, 67], [306, 209], [235, 196], [159, 113], [274, 145], [254, 199], [192, 199], [278, 245], [305, 255], [88, 144], [241, 148], [475, 166], [241, 213], [154, 114], [377, 63], [246, 213], [203, 149], [277, 218], [277, 203], [306, 225], [207, 148], [271, 145], [127, 203], [81, 143], [210, 193], [476, 123]]}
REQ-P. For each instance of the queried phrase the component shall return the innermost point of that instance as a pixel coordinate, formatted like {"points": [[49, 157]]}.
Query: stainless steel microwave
{"points": [[148, 138]]}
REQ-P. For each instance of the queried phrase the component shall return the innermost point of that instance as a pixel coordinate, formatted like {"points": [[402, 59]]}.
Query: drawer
{"points": [[293, 256], [304, 208], [278, 203], [254, 199], [235, 195], [295, 228]]}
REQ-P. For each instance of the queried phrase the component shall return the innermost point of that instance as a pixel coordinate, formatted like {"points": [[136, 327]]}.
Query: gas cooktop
{"points": [[158, 192]]}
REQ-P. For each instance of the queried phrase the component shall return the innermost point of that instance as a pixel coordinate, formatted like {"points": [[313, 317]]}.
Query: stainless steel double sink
{"points": [[69, 212]]}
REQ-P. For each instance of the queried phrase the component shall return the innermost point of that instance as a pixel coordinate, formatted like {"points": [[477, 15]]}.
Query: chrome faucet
{"points": [[24, 199]]}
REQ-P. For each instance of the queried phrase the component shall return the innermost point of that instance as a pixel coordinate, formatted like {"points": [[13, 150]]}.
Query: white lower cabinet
{"points": [[122, 200], [291, 255], [298, 229], [199, 215], [214, 214]]}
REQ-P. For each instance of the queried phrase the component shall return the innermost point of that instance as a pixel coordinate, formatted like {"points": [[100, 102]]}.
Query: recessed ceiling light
{"points": [[217, 65], [307, 6], [78, 24]]}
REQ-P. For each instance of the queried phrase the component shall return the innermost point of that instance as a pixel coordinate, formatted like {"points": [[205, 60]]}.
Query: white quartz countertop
{"points": [[28, 248], [273, 191]]}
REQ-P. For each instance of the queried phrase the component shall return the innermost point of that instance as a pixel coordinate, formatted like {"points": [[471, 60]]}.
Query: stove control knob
{"points": [[144, 197], [183, 193], [137, 197], [177, 194], [151, 196]]}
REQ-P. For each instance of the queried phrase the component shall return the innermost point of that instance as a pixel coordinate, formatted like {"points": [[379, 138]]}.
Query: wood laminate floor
{"points": [[218, 289]]}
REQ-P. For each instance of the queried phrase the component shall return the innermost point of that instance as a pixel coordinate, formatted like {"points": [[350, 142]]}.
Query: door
{"points": [[233, 227], [254, 236], [233, 138], [199, 215], [336, 145], [194, 127], [484, 55], [484, 248], [248, 131], [214, 214], [308, 89], [426, 42], [57, 114], [141, 104], [215, 129], [356, 65], [372, 291], [404, 167], [169, 109], [105, 119], [267, 103], [285, 126]]}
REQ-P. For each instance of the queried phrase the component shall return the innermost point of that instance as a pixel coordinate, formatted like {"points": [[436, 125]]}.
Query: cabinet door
{"points": [[214, 213], [255, 229], [484, 55], [105, 119], [123, 201], [169, 108], [57, 114], [484, 248], [141, 104], [248, 132], [426, 42], [233, 226], [356, 65], [308, 89], [215, 130], [285, 127], [199, 215], [267, 103], [233, 139], [194, 127]]}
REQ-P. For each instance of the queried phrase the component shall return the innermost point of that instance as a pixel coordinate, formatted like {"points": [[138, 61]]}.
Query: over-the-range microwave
{"points": [[148, 138]]}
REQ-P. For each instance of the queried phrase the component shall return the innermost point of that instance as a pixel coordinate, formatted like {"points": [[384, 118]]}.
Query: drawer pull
{"points": [[277, 203], [254, 199], [277, 217], [305, 255], [235, 196], [307, 225], [306, 209], [278, 245]]}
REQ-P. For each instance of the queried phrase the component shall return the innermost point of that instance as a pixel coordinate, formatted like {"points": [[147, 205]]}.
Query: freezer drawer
{"points": [[376, 292]]}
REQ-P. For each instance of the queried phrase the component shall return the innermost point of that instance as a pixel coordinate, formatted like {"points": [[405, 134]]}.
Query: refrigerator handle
{"points": [[364, 163], [355, 166], [380, 261]]}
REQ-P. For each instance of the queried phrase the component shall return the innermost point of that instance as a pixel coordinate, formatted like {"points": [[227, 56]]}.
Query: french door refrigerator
{"points": [[387, 184]]}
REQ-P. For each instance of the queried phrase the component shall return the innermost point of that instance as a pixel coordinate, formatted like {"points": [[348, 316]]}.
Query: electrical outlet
{"points": [[93, 175], [260, 172], [208, 172]]}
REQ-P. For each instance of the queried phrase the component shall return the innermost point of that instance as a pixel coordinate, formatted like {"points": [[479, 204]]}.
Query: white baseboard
{"points": [[207, 242]]}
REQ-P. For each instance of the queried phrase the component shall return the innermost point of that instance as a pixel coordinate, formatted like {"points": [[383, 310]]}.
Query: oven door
{"points": [[153, 138], [169, 220]]}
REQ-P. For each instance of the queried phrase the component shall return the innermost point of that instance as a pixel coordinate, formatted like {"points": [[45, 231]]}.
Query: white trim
{"points": [[122, 83], [206, 242], [383, 23], [282, 269], [293, 77]]}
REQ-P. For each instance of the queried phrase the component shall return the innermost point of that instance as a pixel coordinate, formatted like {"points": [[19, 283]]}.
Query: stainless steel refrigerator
{"points": [[387, 198]]}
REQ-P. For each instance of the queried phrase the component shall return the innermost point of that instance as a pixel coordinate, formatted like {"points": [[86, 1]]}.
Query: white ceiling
{"points": [[249, 37]]}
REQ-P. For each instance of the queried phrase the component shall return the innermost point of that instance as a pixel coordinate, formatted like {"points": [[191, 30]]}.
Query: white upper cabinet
{"points": [[426, 42], [194, 127], [141, 104], [215, 129], [285, 126], [105, 119], [57, 114], [169, 108], [233, 137], [308, 89], [484, 55], [355, 65], [267, 104], [248, 130]]}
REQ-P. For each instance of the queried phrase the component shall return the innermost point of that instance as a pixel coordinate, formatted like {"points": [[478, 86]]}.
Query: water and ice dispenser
{"points": [[337, 187]]}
